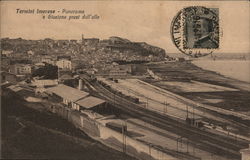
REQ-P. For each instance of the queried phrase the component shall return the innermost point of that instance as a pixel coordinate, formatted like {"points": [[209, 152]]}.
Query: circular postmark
{"points": [[195, 30]]}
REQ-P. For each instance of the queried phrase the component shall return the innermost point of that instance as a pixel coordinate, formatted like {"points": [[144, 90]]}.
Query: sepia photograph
{"points": [[125, 80]]}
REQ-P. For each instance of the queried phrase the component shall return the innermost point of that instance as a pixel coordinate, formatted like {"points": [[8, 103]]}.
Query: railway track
{"points": [[213, 143]]}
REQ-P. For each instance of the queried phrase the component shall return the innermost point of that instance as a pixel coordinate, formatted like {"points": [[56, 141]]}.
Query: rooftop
{"points": [[15, 88], [90, 102], [245, 151], [67, 92]]}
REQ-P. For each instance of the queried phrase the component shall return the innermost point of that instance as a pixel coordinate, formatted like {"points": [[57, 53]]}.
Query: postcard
{"points": [[125, 80]]}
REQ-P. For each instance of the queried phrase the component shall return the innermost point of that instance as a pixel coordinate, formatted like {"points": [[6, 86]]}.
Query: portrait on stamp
{"points": [[195, 30]]}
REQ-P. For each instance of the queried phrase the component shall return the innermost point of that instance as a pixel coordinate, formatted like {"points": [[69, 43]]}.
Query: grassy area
{"points": [[22, 140]]}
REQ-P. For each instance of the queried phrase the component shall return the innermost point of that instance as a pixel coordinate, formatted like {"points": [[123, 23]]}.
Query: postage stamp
{"points": [[195, 30]]}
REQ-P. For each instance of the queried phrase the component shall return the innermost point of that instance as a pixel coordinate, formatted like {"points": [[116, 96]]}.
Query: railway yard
{"points": [[204, 142], [164, 111]]}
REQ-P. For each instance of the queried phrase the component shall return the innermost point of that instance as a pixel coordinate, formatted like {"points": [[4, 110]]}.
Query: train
{"points": [[195, 122], [118, 93]]}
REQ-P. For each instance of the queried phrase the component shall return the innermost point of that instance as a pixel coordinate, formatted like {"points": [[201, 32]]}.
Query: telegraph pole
{"points": [[194, 149], [147, 103], [114, 99], [193, 112], [180, 138], [149, 149], [165, 108], [124, 137]]}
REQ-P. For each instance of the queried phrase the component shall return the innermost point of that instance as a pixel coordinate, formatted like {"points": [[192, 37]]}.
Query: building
{"points": [[64, 74], [8, 77], [74, 98], [104, 43], [91, 42], [118, 73], [92, 71], [47, 60], [129, 68], [245, 153], [180, 59], [44, 82], [87, 103], [39, 65], [117, 70], [66, 94], [62, 43], [21, 69], [7, 53], [5, 61], [30, 53], [64, 62]]}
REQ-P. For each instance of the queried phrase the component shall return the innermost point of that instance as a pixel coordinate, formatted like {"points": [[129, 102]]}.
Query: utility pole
{"points": [[124, 138], [236, 137], [177, 144], [194, 149], [193, 112], [149, 150], [147, 103], [165, 108], [114, 99], [178, 139]]}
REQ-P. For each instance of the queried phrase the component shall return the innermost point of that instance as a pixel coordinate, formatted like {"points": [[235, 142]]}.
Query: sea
{"points": [[236, 69]]}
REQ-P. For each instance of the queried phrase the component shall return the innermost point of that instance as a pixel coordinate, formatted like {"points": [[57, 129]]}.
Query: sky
{"points": [[140, 21]]}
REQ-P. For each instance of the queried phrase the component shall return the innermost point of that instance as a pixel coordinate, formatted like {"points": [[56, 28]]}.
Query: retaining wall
{"points": [[109, 137]]}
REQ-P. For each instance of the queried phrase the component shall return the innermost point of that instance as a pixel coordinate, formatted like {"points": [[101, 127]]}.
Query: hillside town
{"points": [[22, 58]]}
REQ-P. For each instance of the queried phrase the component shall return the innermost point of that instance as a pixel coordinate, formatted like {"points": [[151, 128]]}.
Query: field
{"points": [[194, 86], [207, 87]]}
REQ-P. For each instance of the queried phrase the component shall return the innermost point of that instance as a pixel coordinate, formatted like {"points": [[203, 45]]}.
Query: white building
{"points": [[21, 69], [7, 53], [48, 60], [64, 64], [245, 153]]}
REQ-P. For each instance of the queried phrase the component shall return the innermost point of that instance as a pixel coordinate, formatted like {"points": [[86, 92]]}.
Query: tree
{"points": [[47, 72]]}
